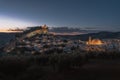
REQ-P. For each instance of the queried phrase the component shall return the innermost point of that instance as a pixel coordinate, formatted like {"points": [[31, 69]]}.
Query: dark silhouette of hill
{"points": [[100, 35]]}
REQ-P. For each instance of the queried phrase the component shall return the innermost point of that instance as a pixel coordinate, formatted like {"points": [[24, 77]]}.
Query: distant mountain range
{"points": [[100, 35], [72, 30]]}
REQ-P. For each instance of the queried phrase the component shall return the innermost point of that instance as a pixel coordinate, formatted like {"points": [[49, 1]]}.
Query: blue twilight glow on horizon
{"points": [[8, 22], [86, 14]]}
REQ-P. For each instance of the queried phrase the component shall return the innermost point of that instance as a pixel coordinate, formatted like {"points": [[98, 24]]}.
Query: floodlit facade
{"points": [[38, 30], [94, 41]]}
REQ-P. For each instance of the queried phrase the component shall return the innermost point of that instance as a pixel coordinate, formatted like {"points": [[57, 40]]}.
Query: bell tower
{"points": [[45, 29], [90, 40]]}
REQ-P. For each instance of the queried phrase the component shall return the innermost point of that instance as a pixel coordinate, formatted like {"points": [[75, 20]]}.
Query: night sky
{"points": [[92, 14]]}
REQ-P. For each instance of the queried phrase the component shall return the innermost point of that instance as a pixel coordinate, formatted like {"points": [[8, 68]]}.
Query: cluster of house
{"points": [[46, 44], [37, 40]]}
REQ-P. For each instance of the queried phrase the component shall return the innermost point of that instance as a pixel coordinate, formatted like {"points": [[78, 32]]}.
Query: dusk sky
{"points": [[96, 14]]}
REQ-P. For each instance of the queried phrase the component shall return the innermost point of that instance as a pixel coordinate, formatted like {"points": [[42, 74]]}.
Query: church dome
{"points": [[94, 42]]}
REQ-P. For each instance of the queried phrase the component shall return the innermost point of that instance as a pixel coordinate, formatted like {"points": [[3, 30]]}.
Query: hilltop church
{"points": [[37, 30]]}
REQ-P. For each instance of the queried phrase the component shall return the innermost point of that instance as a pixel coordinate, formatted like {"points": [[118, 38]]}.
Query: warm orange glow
{"points": [[6, 31], [44, 30], [94, 42]]}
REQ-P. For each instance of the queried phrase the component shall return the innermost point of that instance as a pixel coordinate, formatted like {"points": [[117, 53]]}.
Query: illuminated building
{"points": [[37, 30], [44, 29], [94, 41]]}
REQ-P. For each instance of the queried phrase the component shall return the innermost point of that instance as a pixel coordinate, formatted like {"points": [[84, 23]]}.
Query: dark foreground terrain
{"points": [[58, 67]]}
